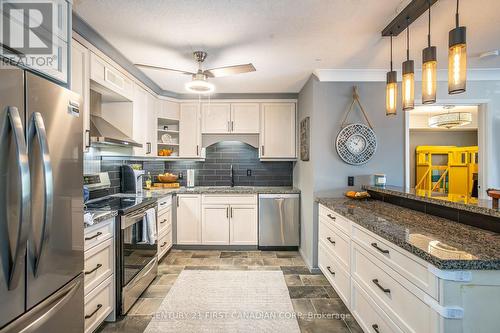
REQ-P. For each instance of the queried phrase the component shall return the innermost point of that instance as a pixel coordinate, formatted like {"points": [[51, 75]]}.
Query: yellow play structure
{"points": [[446, 169]]}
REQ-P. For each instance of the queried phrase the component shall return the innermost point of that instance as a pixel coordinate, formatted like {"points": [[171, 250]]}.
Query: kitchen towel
{"points": [[149, 227]]}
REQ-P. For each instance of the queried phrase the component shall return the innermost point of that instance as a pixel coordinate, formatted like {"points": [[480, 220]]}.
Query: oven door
{"points": [[138, 258]]}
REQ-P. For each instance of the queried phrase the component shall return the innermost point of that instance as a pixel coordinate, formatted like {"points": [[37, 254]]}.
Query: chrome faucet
{"points": [[231, 172]]}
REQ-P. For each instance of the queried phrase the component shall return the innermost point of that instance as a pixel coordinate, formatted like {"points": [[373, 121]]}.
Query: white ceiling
{"points": [[286, 40]]}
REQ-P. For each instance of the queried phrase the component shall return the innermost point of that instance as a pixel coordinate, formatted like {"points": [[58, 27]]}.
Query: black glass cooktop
{"points": [[120, 204]]}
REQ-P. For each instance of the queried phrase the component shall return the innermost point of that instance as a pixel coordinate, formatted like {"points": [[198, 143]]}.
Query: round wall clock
{"points": [[356, 144]]}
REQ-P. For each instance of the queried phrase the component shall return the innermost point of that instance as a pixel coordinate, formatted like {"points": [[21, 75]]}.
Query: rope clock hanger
{"points": [[356, 143]]}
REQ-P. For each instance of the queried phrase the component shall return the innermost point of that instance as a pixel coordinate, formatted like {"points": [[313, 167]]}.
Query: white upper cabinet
{"points": [[245, 118], [278, 131], [153, 104], [107, 76], [80, 73], [223, 118], [140, 121], [216, 118], [189, 130], [168, 110]]}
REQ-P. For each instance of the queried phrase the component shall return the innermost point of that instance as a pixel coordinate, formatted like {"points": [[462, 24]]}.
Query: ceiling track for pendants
{"points": [[407, 16]]}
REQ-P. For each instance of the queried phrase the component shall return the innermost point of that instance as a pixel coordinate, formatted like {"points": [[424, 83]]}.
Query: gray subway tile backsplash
{"points": [[214, 171]]}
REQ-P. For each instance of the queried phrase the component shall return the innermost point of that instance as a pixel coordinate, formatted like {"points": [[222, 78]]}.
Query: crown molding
{"points": [[379, 75]]}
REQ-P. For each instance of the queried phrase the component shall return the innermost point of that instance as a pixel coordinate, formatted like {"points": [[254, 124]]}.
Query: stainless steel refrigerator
{"points": [[41, 205]]}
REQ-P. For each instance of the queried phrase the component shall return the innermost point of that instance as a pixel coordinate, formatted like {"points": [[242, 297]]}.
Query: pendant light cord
{"points": [[429, 34], [456, 15], [391, 51], [408, 38]]}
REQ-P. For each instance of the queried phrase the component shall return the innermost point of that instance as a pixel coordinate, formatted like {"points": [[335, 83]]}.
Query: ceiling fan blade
{"points": [[229, 70], [164, 69]]}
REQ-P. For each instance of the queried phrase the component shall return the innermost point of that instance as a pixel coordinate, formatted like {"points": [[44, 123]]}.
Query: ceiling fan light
{"points": [[199, 86]]}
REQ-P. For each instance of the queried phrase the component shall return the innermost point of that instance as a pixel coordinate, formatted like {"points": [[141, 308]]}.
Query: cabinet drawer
{"points": [[403, 306], [164, 204], [99, 303], [401, 261], [335, 220], [334, 272], [368, 315], [164, 221], [164, 243], [337, 242], [99, 263], [225, 199], [98, 233]]}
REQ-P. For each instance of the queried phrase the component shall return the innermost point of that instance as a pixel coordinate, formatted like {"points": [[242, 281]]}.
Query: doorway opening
{"points": [[443, 151]]}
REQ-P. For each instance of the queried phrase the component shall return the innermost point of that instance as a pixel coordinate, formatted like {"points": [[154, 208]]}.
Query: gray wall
{"points": [[326, 103], [303, 178], [438, 138]]}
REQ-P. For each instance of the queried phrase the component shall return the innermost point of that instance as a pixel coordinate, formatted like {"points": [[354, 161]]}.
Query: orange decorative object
{"points": [[357, 195]]}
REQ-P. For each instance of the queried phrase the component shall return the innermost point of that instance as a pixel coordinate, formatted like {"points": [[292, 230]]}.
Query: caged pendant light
{"points": [[408, 85], [457, 58], [391, 90], [429, 68]]}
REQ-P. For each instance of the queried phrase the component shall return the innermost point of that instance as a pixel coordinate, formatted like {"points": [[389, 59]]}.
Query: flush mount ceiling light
{"points": [[429, 68], [457, 58], [391, 90], [408, 76], [450, 120], [200, 85]]}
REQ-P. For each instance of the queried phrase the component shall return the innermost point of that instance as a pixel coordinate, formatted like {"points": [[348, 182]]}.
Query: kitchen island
{"points": [[402, 270]]}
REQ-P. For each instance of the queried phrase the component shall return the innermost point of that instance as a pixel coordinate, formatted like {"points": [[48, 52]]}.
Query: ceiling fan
{"points": [[199, 83]]}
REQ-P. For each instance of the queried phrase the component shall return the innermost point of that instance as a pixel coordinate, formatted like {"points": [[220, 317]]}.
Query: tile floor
{"points": [[323, 311]]}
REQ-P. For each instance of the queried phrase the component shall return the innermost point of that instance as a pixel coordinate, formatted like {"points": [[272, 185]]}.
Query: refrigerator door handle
{"points": [[54, 304], [13, 119], [37, 129]]}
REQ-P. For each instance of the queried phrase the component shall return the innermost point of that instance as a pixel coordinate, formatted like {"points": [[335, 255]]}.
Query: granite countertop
{"points": [[441, 242], [224, 190], [100, 216], [473, 205]]}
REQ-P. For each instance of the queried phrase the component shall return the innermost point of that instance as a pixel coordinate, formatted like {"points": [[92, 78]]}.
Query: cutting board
{"points": [[166, 185]]}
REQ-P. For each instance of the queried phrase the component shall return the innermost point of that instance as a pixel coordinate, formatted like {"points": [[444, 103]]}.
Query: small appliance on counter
{"points": [[190, 178], [379, 179], [132, 180]]}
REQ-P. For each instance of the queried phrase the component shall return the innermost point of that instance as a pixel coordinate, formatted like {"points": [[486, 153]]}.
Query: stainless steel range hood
{"points": [[103, 133]]}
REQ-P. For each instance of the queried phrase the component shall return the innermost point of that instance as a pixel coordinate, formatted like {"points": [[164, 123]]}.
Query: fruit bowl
{"points": [[167, 178]]}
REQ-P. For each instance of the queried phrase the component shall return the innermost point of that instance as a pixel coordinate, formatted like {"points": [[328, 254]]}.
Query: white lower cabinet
{"points": [[229, 220], [215, 225], [188, 219], [99, 264], [389, 289], [243, 225], [164, 225], [369, 316]]}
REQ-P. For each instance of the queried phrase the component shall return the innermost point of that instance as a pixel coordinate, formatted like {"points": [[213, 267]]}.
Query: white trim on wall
{"points": [[379, 75]]}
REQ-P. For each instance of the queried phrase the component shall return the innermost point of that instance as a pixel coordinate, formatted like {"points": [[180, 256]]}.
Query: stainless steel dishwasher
{"points": [[279, 221]]}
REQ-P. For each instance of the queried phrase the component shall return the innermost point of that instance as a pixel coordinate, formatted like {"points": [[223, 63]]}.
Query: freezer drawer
{"points": [[279, 220]]}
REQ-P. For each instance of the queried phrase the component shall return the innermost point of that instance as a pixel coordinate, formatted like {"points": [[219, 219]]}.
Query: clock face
{"points": [[356, 144]]}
